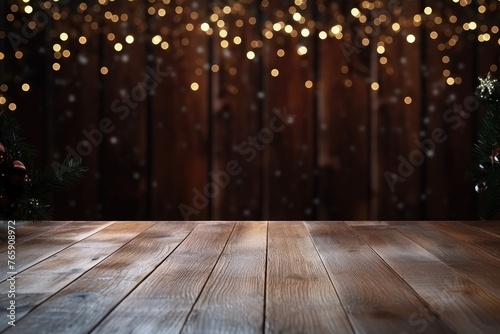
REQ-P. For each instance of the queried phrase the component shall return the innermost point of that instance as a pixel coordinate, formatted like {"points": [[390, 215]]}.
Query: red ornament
{"points": [[19, 175], [18, 165], [495, 155]]}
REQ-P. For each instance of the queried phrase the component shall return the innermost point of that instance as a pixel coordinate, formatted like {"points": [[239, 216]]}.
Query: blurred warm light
{"points": [[365, 23]]}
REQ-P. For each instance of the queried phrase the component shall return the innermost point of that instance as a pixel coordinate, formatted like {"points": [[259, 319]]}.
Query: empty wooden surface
{"points": [[254, 277]]}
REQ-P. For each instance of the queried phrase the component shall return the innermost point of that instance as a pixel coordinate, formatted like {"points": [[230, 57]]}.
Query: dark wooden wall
{"points": [[330, 160]]}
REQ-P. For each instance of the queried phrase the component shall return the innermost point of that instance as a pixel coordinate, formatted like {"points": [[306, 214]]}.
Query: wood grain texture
{"points": [[464, 305], [365, 284], [46, 245], [299, 298], [97, 292], [491, 227], [43, 280], [469, 235], [27, 231], [477, 265], [164, 300], [257, 277], [233, 298]]}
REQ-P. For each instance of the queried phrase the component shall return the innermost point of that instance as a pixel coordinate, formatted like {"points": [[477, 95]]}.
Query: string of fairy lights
{"points": [[175, 22]]}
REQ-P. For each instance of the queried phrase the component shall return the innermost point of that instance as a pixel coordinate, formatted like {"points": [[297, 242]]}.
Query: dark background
{"points": [[330, 160]]}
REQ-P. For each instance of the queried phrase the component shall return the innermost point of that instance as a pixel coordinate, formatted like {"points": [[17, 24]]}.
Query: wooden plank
{"points": [[365, 284], [464, 305], [123, 152], [44, 246], [300, 297], [163, 301], [343, 123], [76, 114], [288, 157], [478, 266], [27, 231], [366, 223], [112, 279], [398, 124], [233, 298], [38, 283], [236, 116], [491, 227], [470, 235], [179, 120], [449, 197]]}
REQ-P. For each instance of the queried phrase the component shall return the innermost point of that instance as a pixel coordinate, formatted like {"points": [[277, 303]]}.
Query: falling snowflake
{"points": [[83, 60]]}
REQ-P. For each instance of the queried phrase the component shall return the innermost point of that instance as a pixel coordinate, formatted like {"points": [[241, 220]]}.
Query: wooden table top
{"points": [[253, 277]]}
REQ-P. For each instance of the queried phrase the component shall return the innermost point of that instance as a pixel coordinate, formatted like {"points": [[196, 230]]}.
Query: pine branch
{"points": [[485, 172], [58, 178], [23, 198]]}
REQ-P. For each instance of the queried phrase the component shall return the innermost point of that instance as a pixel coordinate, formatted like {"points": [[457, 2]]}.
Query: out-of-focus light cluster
{"points": [[172, 24]]}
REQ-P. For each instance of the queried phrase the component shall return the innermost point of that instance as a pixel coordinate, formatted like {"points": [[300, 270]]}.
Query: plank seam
{"points": [[208, 278], [74, 243], [479, 228], [78, 277], [425, 303], [145, 277], [265, 279], [463, 275], [480, 249], [304, 223], [38, 235]]}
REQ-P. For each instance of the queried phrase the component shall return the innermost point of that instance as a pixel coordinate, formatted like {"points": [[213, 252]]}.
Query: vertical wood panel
{"points": [[180, 122], [164, 153], [399, 123], [449, 197], [32, 68], [123, 168], [288, 159], [342, 125], [236, 115], [76, 112]]}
